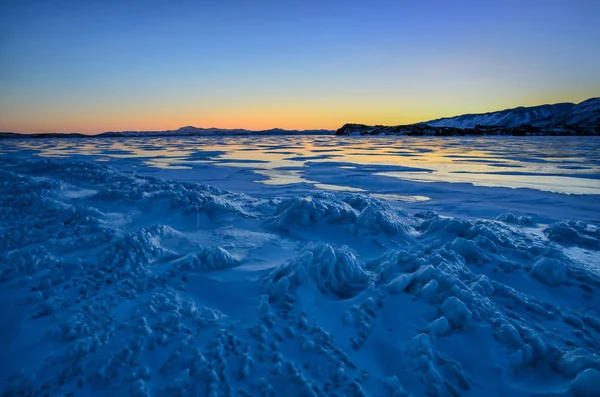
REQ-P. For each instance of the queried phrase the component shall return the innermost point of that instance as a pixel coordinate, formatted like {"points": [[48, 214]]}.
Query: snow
{"points": [[506, 118], [333, 270], [587, 383], [121, 278], [584, 114], [456, 312], [549, 271], [440, 326]]}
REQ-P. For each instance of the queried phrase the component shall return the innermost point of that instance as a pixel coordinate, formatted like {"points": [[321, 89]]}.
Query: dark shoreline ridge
{"points": [[183, 131], [479, 130]]}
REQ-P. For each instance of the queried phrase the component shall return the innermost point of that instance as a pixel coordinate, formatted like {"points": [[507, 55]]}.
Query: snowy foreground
{"points": [[116, 283]]}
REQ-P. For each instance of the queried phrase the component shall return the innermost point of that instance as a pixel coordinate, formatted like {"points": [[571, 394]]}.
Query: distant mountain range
{"points": [[557, 119], [183, 131]]}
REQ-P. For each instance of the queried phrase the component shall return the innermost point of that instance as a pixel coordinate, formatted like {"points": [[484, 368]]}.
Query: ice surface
{"points": [[130, 283]]}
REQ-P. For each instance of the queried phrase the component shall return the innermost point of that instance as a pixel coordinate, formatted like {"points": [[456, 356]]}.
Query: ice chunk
{"points": [[508, 334], [309, 211], [456, 312], [419, 346], [394, 386], [430, 289], [207, 260], [427, 214], [516, 219], [577, 233], [549, 271], [469, 250], [379, 218], [455, 226], [332, 269], [440, 326], [575, 361]]}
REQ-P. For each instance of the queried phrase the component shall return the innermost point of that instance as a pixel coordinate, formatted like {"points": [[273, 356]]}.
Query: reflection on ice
{"points": [[549, 183], [399, 197], [555, 164]]}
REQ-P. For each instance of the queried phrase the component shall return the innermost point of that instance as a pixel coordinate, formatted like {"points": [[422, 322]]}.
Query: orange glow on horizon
{"points": [[301, 114]]}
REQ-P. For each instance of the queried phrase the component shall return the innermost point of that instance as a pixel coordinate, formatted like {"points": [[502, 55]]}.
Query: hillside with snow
{"points": [[557, 119], [586, 113], [506, 118]]}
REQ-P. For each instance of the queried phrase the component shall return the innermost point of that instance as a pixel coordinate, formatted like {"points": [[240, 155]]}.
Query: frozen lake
{"points": [[300, 266], [392, 168], [555, 164]]}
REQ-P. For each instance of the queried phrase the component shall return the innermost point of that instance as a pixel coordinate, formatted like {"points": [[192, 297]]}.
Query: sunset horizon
{"points": [[91, 67], [301, 198], [267, 124]]}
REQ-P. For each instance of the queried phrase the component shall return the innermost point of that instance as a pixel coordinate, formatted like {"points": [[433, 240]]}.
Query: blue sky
{"points": [[92, 66]]}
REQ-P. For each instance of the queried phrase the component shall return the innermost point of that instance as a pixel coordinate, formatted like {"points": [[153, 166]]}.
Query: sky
{"points": [[113, 65]]}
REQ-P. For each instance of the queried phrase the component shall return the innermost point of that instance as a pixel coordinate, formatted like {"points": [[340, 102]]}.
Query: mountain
{"points": [[557, 119], [423, 129], [195, 131], [183, 131], [5, 135], [584, 114], [505, 118]]}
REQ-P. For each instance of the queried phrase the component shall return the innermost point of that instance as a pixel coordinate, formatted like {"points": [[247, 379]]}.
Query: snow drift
{"points": [[113, 282]]}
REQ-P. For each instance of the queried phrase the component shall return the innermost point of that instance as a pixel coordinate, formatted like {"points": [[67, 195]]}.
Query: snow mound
{"points": [[587, 383], [549, 271], [516, 219], [361, 201], [435, 224], [456, 312], [201, 198], [394, 262], [574, 233], [33, 214], [441, 326], [334, 270], [308, 211], [470, 250], [576, 361], [106, 291], [207, 260], [377, 218], [185, 197], [134, 250], [366, 215]]}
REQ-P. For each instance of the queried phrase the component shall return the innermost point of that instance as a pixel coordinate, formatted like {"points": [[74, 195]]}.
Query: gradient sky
{"points": [[93, 66]]}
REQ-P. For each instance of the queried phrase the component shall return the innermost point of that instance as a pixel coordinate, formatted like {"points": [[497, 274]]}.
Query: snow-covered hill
{"points": [[556, 119], [584, 114], [505, 118]]}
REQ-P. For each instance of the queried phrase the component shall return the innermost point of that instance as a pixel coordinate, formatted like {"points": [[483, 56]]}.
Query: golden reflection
{"points": [[559, 164]]}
